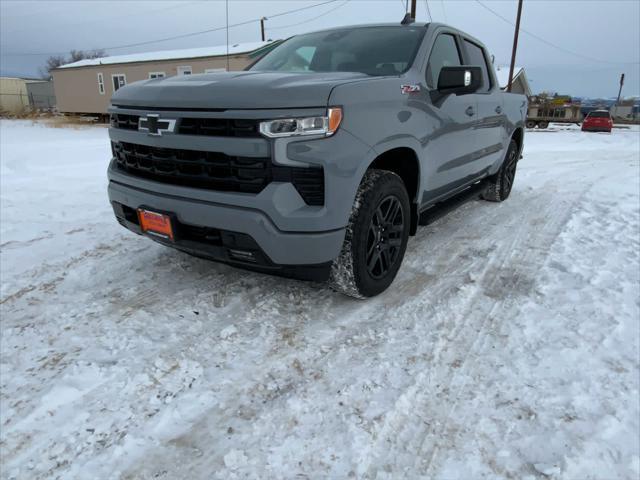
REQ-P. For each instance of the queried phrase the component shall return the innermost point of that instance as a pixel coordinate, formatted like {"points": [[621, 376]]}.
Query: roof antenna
{"points": [[407, 20]]}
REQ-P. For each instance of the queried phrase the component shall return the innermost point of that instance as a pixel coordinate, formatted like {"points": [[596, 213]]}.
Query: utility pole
{"points": [[620, 91], [413, 9], [515, 45], [262, 26]]}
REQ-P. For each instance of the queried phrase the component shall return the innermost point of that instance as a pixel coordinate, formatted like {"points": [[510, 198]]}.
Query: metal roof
{"points": [[188, 53]]}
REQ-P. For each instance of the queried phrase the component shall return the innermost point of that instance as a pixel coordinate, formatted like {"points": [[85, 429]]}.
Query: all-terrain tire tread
{"points": [[342, 278]]}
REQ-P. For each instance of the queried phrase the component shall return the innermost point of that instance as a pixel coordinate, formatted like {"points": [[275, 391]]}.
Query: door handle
{"points": [[498, 109], [470, 111]]}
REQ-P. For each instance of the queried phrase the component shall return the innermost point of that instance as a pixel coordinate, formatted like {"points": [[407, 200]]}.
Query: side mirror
{"points": [[459, 80]]}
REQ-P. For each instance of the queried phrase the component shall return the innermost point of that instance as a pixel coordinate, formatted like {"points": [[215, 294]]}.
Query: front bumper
{"points": [[274, 251]]}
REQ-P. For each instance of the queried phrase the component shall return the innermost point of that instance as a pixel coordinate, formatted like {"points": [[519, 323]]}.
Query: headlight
{"points": [[289, 127]]}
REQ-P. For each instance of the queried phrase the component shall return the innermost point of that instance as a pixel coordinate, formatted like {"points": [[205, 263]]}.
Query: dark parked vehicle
{"points": [[321, 159], [598, 121]]}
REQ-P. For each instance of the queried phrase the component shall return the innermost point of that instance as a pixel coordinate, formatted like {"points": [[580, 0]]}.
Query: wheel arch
{"points": [[518, 137], [404, 162]]}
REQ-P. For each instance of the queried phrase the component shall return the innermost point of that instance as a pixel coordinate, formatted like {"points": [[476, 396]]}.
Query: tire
{"points": [[543, 124], [530, 124], [500, 185], [376, 237]]}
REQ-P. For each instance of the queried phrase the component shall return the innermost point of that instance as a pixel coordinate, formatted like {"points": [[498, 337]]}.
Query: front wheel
{"points": [[376, 237]]}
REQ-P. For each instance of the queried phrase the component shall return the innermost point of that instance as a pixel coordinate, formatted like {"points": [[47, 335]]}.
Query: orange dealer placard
{"points": [[155, 223]]}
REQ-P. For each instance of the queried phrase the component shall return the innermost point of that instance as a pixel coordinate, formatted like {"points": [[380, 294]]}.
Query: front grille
{"points": [[218, 127], [126, 122], [210, 127], [215, 170], [211, 170]]}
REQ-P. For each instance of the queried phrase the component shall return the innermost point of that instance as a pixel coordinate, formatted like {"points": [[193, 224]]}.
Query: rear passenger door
{"points": [[450, 139], [490, 122]]}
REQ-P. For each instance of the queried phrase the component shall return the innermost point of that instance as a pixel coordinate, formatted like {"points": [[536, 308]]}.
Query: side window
{"points": [[153, 75], [478, 59], [184, 70], [100, 83], [444, 54], [119, 81]]}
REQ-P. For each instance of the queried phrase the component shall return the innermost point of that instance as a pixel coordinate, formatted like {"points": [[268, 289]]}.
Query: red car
{"points": [[597, 121]]}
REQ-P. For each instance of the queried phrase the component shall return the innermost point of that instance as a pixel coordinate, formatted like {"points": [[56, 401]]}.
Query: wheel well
{"points": [[403, 161], [517, 136]]}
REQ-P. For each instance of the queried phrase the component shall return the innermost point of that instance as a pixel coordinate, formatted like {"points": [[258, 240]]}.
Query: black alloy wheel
{"points": [[384, 238]]}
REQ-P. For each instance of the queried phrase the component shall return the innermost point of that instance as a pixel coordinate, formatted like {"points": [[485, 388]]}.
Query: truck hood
{"points": [[235, 90]]}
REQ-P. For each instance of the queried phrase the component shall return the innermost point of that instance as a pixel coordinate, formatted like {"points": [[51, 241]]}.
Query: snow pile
{"points": [[506, 348]]}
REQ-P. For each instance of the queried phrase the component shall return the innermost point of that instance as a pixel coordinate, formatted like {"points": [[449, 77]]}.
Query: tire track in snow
{"points": [[415, 424]]}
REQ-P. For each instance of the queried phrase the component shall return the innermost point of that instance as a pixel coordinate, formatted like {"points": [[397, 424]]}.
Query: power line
{"points": [[311, 19], [426, 3], [176, 37], [562, 49]]}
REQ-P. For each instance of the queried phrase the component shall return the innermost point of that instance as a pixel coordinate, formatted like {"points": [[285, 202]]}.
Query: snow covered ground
{"points": [[508, 346]]}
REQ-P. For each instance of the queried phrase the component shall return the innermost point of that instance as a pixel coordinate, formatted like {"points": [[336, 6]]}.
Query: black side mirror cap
{"points": [[457, 81], [460, 80]]}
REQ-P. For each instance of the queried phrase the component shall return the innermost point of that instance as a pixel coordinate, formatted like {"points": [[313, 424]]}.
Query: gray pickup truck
{"points": [[320, 159]]}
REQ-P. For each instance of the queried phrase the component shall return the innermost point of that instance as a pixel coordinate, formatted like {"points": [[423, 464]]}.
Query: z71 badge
{"points": [[406, 89]]}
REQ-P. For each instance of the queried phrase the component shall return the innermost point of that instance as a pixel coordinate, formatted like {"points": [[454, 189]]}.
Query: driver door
{"points": [[450, 139]]}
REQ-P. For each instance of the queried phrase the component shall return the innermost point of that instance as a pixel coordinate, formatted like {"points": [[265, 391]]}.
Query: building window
{"points": [[186, 70], [153, 75], [214, 70], [100, 84], [119, 81]]}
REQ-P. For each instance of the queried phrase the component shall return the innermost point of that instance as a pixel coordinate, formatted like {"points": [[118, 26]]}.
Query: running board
{"points": [[441, 209]]}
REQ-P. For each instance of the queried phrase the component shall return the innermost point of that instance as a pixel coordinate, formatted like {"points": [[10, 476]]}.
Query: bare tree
{"points": [[56, 61]]}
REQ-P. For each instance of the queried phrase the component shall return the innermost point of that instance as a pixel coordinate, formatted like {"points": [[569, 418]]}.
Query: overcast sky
{"points": [[595, 40]]}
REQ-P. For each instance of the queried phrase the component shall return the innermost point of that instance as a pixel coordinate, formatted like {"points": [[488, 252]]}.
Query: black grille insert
{"points": [[210, 127], [126, 122], [216, 171], [218, 127]]}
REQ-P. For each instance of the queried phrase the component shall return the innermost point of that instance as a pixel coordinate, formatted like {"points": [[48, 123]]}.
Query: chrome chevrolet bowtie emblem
{"points": [[154, 125]]}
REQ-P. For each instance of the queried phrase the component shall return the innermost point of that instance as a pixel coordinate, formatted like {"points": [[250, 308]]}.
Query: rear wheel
{"points": [[531, 124], [543, 124], [500, 185], [376, 237]]}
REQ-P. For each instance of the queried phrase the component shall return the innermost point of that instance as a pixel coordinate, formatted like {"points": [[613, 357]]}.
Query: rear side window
{"points": [[444, 54], [599, 115], [478, 59]]}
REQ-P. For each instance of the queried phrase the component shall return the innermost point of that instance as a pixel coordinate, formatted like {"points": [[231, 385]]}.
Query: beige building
{"points": [[14, 97], [86, 86]]}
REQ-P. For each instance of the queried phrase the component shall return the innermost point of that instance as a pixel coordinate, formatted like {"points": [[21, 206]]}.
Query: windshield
{"points": [[599, 115], [370, 50]]}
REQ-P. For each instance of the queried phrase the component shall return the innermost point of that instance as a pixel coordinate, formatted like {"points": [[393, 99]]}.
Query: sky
{"points": [[574, 47]]}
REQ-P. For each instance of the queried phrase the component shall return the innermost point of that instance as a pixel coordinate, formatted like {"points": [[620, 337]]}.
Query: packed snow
{"points": [[507, 347]]}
